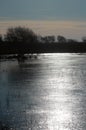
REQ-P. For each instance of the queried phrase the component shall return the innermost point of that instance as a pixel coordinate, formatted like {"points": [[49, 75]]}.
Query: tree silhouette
{"points": [[1, 39], [84, 39], [71, 40], [20, 35], [61, 39]]}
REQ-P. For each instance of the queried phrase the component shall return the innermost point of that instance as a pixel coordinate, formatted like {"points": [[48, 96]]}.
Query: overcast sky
{"points": [[42, 10]]}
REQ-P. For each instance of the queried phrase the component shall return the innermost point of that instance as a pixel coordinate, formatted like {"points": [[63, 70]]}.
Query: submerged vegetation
{"points": [[21, 40]]}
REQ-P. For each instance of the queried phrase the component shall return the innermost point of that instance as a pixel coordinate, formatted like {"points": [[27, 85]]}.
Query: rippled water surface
{"points": [[47, 93]]}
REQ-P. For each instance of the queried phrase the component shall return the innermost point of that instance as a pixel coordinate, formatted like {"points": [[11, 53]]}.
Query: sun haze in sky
{"points": [[45, 17]]}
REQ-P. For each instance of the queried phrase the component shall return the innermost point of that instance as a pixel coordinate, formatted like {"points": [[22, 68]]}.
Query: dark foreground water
{"points": [[48, 93]]}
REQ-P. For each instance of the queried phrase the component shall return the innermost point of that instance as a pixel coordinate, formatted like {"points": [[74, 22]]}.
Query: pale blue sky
{"points": [[45, 17], [43, 9]]}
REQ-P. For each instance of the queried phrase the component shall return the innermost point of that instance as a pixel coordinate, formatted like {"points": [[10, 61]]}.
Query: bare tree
{"points": [[20, 34]]}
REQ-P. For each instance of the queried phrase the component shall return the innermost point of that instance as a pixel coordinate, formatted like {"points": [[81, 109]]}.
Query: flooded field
{"points": [[47, 93]]}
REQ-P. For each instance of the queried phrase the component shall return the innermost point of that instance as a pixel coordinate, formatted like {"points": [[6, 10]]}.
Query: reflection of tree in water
{"points": [[25, 72], [16, 99], [22, 96]]}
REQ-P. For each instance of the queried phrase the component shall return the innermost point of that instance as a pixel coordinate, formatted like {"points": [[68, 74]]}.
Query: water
{"points": [[48, 93]]}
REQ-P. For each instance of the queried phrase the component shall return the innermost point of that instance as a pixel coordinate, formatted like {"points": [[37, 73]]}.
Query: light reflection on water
{"points": [[48, 93]]}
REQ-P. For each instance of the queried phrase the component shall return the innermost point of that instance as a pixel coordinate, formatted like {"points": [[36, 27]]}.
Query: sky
{"points": [[45, 17]]}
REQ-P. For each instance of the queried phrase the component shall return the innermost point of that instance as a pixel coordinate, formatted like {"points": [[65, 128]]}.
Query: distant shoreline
{"points": [[31, 48], [21, 40]]}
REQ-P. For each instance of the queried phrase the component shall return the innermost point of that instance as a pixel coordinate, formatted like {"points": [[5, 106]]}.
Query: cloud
{"points": [[69, 29]]}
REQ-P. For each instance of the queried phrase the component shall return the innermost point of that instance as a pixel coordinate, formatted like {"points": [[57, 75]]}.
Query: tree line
{"points": [[21, 40]]}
